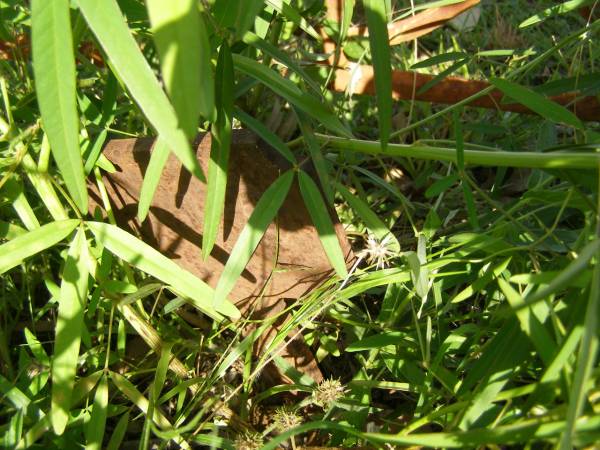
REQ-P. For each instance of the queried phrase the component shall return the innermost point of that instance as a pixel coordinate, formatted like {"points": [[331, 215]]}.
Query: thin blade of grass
{"points": [[69, 329], [439, 59], [219, 152], [316, 155], [288, 90], [373, 223], [274, 52], [530, 324], [379, 40], [54, 69], [264, 212], [586, 358], [145, 258], [538, 103], [322, 221], [118, 433], [294, 16], [182, 42], [158, 159], [555, 10], [94, 431], [265, 134], [28, 244], [237, 15], [108, 25]]}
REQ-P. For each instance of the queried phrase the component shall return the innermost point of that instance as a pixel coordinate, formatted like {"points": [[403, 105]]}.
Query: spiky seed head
{"points": [[285, 418], [328, 392], [248, 441]]}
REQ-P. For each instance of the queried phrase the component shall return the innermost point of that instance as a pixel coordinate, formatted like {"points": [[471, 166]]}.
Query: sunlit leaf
{"points": [[376, 15], [28, 244], [537, 102], [264, 212], [182, 42], [145, 258], [322, 221], [218, 164], [54, 69], [69, 329], [106, 21], [288, 90]]}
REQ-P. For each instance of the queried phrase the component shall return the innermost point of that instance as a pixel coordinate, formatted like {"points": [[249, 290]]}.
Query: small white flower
{"points": [[377, 252]]}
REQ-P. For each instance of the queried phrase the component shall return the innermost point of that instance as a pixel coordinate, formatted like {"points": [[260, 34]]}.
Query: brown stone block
{"points": [[289, 261]]}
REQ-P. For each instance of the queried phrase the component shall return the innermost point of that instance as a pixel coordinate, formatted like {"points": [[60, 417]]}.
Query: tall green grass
{"points": [[470, 317]]}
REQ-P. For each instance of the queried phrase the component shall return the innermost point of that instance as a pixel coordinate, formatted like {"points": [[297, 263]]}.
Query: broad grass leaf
{"points": [[94, 430], [555, 10], [288, 90], [274, 52], [158, 159], [538, 103], [119, 432], [322, 221], [373, 223], [10, 231], [108, 25], [441, 76], [377, 341], [182, 41], [265, 134], [264, 212], [530, 324], [69, 329], [54, 70], [379, 41], [283, 7], [586, 360], [439, 59], [145, 258], [441, 185], [28, 244], [237, 15], [316, 155], [218, 163], [129, 390]]}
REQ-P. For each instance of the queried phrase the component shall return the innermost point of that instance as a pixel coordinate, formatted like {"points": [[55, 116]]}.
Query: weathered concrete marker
{"points": [[290, 251]]}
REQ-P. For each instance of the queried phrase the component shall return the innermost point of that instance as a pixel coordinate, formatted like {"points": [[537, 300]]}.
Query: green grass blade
{"points": [[293, 15], [586, 358], [158, 159], [376, 15], [322, 221], [237, 15], [107, 23], [274, 52], [316, 155], [264, 212], [555, 10], [288, 90], [145, 258], [265, 134], [219, 152], [182, 42], [54, 69], [530, 324], [69, 328], [129, 390], [118, 433], [28, 244], [94, 431], [538, 103], [373, 223]]}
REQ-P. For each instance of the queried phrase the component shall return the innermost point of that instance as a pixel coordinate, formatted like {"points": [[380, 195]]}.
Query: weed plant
{"points": [[468, 320]]}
